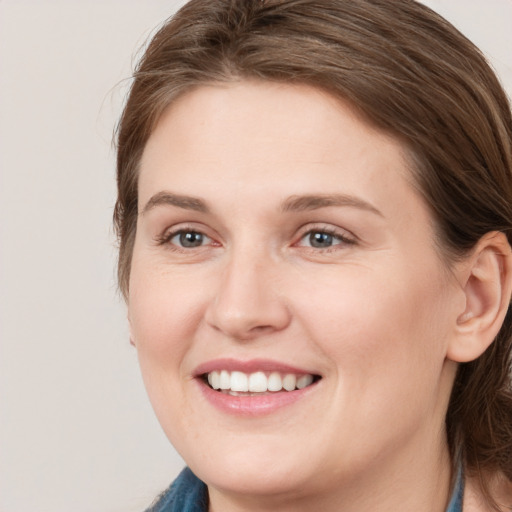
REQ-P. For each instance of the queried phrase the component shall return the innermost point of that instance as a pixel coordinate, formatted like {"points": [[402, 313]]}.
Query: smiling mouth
{"points": [[236, 383]]}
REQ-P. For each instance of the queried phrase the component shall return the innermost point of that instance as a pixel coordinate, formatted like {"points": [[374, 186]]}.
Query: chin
{"points": [[253, 480], [263, 470]]}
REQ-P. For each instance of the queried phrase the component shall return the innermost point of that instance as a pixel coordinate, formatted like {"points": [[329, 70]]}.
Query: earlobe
{"points": [[487, 284]]}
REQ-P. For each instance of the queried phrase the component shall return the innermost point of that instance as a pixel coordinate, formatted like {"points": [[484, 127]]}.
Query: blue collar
{"points": [[186, 494], [458, 493], [189, 494]]}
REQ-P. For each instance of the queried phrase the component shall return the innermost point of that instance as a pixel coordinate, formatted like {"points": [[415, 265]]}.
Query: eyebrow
{"points": [[170, 199], [314, 202], [292, 204]]}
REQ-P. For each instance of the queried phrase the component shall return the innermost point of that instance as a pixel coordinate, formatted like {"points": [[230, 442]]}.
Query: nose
{"points": [[248, 303]]}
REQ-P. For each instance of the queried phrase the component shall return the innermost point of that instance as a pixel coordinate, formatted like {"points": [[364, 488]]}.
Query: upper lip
{"points": [[250, 366]]}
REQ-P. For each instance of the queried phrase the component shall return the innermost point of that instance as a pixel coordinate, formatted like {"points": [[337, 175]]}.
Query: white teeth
{"points": [[214, 380], [275, 383], [304, 381], [289, 382], [224, 380], [239, 381], [257, 382]]}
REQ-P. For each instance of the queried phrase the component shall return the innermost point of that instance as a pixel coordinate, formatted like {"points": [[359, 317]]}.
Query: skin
{"points": [[375, 314]]}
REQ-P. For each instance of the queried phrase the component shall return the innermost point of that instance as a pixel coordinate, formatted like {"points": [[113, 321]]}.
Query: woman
{"points": [[313, 210]]}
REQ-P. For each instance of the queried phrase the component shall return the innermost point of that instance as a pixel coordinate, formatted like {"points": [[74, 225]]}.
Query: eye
{"points": [[320, 240], [188, 239], [324, 239]]}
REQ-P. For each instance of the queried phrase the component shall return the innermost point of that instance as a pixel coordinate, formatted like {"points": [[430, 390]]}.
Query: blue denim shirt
{"points": [[186, 494], [189, 494]]}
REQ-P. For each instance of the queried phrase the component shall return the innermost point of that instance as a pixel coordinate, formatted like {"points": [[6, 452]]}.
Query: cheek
{"points": [[380, 331], [164, 314], [163, 309]]}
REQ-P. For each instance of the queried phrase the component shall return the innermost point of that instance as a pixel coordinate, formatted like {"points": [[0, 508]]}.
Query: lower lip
{"points": [[253, 405]]}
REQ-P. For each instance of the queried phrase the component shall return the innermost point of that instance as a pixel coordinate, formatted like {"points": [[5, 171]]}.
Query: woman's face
{"points": [[280, 242]]}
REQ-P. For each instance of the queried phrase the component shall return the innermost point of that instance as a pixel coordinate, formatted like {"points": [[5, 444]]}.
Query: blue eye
{"points": [[320, 240], [324, 239], [189, 239]]}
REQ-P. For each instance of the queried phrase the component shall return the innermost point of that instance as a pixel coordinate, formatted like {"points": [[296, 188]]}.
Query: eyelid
{"points": [[205, 239], [169, 233], [345, 236]]}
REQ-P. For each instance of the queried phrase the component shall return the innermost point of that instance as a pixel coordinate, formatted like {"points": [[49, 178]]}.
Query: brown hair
{"points": [[408, 72]]}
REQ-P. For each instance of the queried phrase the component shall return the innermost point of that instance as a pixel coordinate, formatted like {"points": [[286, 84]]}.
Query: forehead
{"points": [[251, 132]]}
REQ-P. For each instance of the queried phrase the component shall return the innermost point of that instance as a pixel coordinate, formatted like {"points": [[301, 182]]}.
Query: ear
{"points": [[486, 279]]}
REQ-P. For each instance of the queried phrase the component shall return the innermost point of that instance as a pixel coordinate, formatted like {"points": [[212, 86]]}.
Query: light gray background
{"points": [[76, 430]]}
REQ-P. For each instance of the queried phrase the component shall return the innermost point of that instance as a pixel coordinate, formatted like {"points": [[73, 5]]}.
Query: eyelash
{"points": [[342, 237], [166, 237]]}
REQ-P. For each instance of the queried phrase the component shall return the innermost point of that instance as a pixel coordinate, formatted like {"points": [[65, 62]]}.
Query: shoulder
{"points": [[501, 491]]}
